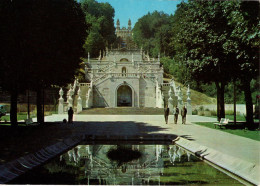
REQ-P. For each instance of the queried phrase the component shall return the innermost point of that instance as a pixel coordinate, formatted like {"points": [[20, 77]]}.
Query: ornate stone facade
{"points": [[124, 78]]}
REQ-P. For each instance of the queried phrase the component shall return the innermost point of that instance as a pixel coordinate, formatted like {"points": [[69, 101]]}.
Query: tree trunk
{"points": [[43, 105], [249, 105], [39, 105], [13, 111], [28, 104], [220, 100], [218, 104], [235, 101]]}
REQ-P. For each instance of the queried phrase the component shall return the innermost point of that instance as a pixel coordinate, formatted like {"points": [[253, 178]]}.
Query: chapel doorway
{"points": [[124, 96]]}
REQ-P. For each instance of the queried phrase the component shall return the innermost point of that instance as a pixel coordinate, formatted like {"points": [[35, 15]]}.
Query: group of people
{"points": [[175, 113], [166, 114]]}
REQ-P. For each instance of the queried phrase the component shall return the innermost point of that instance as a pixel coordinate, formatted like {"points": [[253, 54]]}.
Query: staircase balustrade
{"points": [[84, 84]]}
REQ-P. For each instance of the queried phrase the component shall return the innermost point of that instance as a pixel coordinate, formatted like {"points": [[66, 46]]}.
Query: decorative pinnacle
{"points": [[61, 92]]}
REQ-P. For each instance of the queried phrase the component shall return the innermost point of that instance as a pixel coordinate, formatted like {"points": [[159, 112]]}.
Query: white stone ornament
{"points": [[70, 100], [79, 102], [189, 106], [61, 102], [170, 100]]}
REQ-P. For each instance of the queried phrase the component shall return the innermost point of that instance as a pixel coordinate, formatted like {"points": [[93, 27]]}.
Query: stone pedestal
{"points": [[61, 103], [180, 103], [159, 96], [162, 101], [189, 107], [170, 101], [61, 107], [170, 104], [89, 98], [79, 102], [79, 105], [70, 101]]}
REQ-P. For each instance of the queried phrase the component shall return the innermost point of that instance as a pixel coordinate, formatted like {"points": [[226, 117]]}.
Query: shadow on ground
{"points": [[22, 140]]}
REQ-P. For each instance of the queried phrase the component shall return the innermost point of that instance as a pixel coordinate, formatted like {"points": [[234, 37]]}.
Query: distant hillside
{"points": [[197, 98]]}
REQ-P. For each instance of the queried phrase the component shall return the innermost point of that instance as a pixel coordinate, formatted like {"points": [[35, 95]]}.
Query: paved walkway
{"points": [[127, 125]]}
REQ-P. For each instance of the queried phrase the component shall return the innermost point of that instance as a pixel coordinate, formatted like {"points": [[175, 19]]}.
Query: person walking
{"points": [[166, 113], [70, 114], [183, 114], [176, 113]]}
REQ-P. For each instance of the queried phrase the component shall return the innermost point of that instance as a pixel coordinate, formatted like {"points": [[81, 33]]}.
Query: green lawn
{"points": [[238, 118], [23, 115], [231, 117], [19, 117], [237, 129]]}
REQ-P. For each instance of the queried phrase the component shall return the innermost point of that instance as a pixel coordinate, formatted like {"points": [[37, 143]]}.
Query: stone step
{"points": [[124, 111]]}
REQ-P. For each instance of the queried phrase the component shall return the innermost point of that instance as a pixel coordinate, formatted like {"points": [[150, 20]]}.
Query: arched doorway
{"points": [[124, 96]]}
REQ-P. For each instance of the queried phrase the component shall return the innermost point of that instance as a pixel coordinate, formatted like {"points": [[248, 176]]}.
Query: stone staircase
{"points": [[124, 111], [105, 70]]}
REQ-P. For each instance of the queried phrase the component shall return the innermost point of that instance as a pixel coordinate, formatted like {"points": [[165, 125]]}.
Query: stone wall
{"points": [[241, 108]]}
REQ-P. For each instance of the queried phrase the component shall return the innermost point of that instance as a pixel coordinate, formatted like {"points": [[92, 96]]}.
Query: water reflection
{"points": [[123, 154], [158, 164], [93, 161]]}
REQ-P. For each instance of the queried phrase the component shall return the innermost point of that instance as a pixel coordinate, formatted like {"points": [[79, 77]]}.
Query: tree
{"points": [[101, 30], [47, 39], [200, 31], [243, 46], [152, 32]]}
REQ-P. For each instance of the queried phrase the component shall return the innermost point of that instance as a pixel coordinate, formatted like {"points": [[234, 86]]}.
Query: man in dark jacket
{"points": [[70, 113], [176, 113], [166, 113], [183, 114]]}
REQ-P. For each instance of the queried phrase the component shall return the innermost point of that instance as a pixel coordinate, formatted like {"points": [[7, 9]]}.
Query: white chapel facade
{"points": [[122, 77]]}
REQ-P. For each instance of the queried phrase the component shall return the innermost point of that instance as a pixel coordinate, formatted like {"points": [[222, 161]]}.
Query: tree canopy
{"points": [[207, 42], [41, 44], [218, 41], [101, 31], [152, 32]]}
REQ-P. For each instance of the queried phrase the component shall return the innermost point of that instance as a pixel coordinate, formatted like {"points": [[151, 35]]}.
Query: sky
{"points": [[135, 9]]}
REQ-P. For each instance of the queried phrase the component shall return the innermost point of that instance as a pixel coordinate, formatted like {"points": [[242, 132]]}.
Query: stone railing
{"points": [[84, 84], [166, 84], [106, 68], [102, 76], [125, 74]]}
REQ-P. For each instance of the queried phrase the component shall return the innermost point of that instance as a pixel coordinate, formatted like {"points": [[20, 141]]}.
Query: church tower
{"points": [[129, 25], [117, 25]]}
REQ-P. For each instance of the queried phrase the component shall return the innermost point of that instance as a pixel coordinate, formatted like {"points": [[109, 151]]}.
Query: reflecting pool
{"points": [[126, 165]]}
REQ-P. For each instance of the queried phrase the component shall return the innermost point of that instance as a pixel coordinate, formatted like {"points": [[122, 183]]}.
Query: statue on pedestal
{"points": [[79, 104], [61, 102], [189, 107]]}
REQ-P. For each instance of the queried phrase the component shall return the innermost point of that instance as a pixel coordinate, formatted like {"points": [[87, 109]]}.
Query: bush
{"points": [[213, 113], [201, 113], [229, 112], [195, 112], [201, 108]]}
